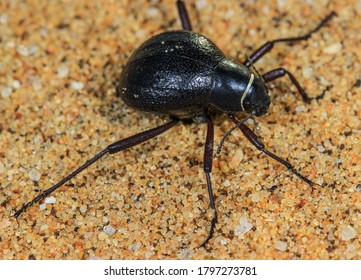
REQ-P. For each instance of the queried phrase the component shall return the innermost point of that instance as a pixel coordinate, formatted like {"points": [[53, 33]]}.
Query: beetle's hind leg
{"points": [[111, 149], [183, 14]]}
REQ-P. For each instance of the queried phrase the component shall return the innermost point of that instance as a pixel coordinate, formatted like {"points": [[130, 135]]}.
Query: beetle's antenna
{"points": [[252, 65], [230, 131]]}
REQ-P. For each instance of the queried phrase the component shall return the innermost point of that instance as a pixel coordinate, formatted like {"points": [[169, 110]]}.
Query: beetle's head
{"points": [[255, 99]]}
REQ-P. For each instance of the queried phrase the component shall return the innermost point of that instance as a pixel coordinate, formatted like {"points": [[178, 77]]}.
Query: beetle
{"points": [[181, 74]]}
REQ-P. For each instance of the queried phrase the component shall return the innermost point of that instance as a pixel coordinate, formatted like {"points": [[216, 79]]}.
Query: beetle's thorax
{"points": [[235, 89], [231, 84]]}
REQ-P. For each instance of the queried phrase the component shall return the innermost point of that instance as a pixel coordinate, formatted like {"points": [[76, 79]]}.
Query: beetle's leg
{"points": [[265, 48], [254, 139], [183, 14], [280, 72], [207, 167], [230, 131], [111, 149]]}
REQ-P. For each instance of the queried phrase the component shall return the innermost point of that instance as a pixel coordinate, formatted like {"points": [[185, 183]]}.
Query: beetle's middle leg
{"points": [[183, 14], [268, 46], [207, 167]]}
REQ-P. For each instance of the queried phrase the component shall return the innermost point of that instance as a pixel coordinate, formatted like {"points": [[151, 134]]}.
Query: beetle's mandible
{"points": [[181, 74]]}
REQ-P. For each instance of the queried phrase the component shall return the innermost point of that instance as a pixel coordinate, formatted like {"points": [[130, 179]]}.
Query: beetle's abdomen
{"points": [[170, 74], [166, 84]]}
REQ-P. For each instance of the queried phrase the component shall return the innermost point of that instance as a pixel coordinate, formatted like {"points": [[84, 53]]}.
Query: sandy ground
{"points": [[59, 62]]}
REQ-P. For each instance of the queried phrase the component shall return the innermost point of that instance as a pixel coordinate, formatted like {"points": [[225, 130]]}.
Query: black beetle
{"points": [[182, 73]]}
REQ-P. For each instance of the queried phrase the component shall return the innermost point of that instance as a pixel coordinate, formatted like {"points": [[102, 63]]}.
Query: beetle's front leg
{"points": [[280, 72], [256, 141]]}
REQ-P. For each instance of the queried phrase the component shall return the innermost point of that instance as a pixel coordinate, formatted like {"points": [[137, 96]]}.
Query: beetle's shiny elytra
{"points": [[181, 74]]}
